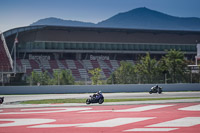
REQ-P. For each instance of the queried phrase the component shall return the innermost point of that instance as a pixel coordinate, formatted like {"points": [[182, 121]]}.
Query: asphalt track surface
{"points": [[18, 98], [143, 118], [177, 116]]}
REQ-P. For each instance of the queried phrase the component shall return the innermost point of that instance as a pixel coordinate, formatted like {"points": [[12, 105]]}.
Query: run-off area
{"points": [[176, 118]]}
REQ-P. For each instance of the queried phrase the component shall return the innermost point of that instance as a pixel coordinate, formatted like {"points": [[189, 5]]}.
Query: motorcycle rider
{"points": [[155, 88], [97, 95], [96, 98], [1, 100]]}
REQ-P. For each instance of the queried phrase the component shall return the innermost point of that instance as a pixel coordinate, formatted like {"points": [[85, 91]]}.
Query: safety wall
{"points": [[94, 88]]}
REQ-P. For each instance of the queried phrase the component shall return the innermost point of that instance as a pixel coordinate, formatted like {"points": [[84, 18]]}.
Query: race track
{"points": [[177, 116], [173, 117], [17, 98]]}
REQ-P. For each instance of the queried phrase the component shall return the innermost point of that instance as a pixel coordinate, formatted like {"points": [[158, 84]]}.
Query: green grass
{"points": [[53, 101]]}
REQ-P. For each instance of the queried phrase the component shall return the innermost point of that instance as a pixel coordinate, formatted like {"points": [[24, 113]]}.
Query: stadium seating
{"points": [[83, 73], [5, 61], [34, 64], [71, 64], [78, 68], [107, 62], [78, 64], [62, 64], [95, 64], [76, 73], [53, 64], [107, 72], [87, 64]]}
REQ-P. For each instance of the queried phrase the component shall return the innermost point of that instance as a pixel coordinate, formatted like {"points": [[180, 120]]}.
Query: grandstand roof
{"points": [[45, 33], [29, 28]]}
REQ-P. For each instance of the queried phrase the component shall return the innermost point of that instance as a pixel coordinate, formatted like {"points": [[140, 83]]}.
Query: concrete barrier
{"points": [[94, 88]]}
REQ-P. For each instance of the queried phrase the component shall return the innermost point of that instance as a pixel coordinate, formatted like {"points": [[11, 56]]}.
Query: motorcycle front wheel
{"points": [[101, 101], [88, 101]]}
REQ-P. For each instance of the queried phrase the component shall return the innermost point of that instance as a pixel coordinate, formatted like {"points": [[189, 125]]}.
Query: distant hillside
{"points": [[139, 18], [61, 22]]}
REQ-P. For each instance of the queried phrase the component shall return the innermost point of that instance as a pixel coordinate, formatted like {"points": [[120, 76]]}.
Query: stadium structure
{"points": [[79, 49]]}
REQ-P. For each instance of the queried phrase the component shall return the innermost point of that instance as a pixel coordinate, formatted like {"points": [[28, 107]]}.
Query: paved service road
{"points": [[16, 98], [159, 118]]}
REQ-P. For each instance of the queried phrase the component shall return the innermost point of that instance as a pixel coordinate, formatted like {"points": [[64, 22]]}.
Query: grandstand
{"points": [[198, 55], [6, 63], [80, 49], [5, 58]]}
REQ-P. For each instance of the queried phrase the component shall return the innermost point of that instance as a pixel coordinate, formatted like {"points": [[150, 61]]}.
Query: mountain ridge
{"points": [[139, 18]]}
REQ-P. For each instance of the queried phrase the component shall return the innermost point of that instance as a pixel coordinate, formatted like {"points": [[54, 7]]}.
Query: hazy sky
{"points": [[17, 13]]}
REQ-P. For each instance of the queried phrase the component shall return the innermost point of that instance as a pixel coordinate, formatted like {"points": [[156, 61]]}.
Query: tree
{"points": [[63, 77], [39, 77], [175, 64], [163, 69], [66, 78], [112, 79], [125, 74], [147, 69], [44, 78], [34, 78], [56, 78], [96, 75]]}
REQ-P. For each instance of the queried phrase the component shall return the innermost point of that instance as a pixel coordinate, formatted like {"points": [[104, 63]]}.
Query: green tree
{"points": [[56, 78], [39, 77], [176, 65], [125, 74], [96, 76], [112, 79], [63, 77], [147, 69], [44, 78], [34, 78], [163, 69], [66, 78]]}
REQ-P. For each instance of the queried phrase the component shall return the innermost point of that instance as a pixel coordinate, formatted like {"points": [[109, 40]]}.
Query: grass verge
{"points": [[54, 101]]}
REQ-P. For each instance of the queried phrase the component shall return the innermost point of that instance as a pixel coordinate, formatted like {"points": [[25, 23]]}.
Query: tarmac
{"points": [[17, 105], [13, 101]]}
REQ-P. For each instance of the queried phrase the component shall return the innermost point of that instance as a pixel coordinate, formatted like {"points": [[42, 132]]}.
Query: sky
{"points": [[18, 13]]}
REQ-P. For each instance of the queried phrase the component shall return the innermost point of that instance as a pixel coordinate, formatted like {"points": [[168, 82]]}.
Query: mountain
{"points": [[139, 18], [144, 18], [61, 22]]}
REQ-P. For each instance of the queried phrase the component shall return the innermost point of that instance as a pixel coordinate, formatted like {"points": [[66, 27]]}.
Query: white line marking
{"points": [[95, 111], [53, 110], [151, 129], [137, 109], [143, 108], [183, 122], [106, 123], [191, 108], [54, 125], [114, 122], [23, 122]]}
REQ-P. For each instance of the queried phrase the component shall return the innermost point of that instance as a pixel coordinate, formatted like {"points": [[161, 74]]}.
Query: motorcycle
{"points": [[94, 99], [156, 90], [1, 100]]}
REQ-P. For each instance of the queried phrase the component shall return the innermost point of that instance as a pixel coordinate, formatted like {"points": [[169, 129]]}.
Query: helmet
{"points": [[99, 92], [156, 85]]}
